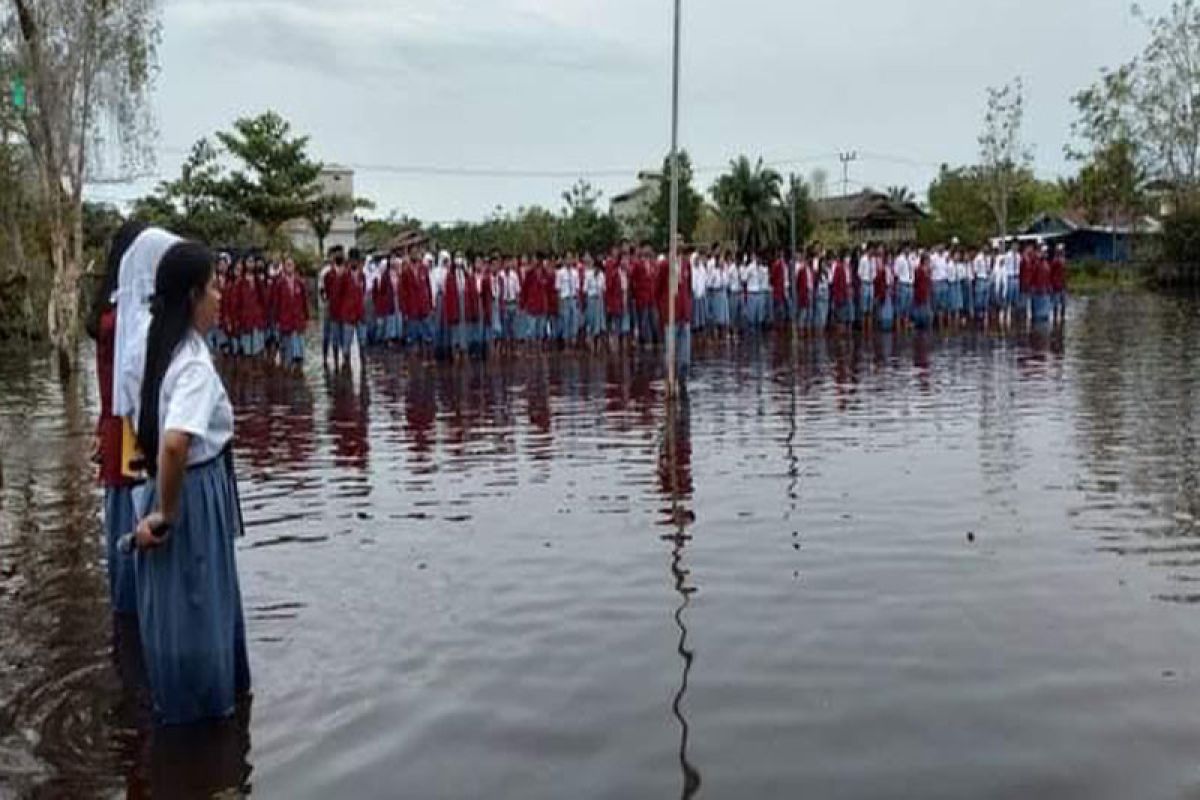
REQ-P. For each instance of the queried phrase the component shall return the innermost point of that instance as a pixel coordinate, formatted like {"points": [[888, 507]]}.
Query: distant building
{"points": [[871, 217], [1114, 241], [630, 208], [335, 181]]}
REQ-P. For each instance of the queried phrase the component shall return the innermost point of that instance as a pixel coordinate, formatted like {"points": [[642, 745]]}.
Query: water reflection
{"points": [[1071, 452]]}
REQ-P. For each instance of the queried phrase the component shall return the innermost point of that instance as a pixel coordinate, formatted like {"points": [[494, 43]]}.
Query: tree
{"points": [[1002, 156], [799, 197], [279, 180], [324, 209], [198, 196], [900, 194], [585, 229], [88, 66], [659, 218], [959, 207], [748, 198]]}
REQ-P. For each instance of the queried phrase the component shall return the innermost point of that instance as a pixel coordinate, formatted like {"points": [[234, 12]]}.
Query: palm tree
{"points": [[900, 194], [749, 200]]}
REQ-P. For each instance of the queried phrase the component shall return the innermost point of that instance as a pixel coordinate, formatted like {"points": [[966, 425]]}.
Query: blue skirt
{"points": [[190, 604], [887, 314], [293, 347], [982, 286], [118, 521], [253, 343], [718, 305], [1041, 307], [594, 318]]}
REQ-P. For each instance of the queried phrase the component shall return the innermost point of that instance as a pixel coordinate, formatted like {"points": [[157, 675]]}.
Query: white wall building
{"points": [[335, 180], [630, 208]]}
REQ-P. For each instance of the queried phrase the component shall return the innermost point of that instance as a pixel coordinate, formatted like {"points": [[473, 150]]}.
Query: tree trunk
{"points": [[62, 322]]}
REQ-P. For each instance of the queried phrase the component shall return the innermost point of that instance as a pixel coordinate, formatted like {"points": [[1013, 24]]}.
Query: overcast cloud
{"points": [[566, 86]]}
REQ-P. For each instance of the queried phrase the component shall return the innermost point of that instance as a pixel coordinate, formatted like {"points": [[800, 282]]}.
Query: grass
{"points": [[1096, 276]]}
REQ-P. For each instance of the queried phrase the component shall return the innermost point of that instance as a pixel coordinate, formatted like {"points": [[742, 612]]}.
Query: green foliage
{"points": [[278, 181], [959, 208], [584, 228], [1003, 159], [1181, 244], [1110, 185], [690, 202], [749, 200]]}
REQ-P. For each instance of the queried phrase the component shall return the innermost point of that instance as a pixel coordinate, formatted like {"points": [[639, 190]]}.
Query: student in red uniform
{"points": [[290, 301], [683, 310], [923, 294], [839, 290], [549, 298], [352, 292], [1058, 283], [778, 280], [383, 302], [247, 310], [641, 281], [118, 488], [472, 309], [328, 285], [1040, 287]]}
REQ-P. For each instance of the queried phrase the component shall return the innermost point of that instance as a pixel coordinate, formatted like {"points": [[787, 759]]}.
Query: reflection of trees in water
{"points": [[1137, 422], [675, 479]]}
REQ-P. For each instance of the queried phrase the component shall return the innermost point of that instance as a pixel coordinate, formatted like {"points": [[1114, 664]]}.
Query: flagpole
{"points": [[673, 242]]}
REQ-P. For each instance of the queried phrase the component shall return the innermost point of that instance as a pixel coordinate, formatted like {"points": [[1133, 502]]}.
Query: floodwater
{"points": [[935, 567]]}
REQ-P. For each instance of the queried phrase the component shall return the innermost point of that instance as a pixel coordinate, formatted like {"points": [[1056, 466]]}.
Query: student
{"points": [[777, 280], [217, 340], [328, 286], [567, 283], [804, 293], [999, 289], [982, 285], [473, 309], [883, 293], [739, 274], [109, 437], [290, 299], [839, 291], [822, 297], [904, 267], [720, 273], [965, 286], [682, 331], [699, 293], [923, 294], [1058, 283], [866, 287], [940, 275], [642, 287], [1040, 287], [510, 300], [614, 299], [594, 285], [189, 602], [384, 306], [352, 291]]}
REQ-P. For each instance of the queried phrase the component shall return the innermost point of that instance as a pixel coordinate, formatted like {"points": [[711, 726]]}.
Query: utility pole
{"points": [[792, 186], [846, 159], [673, 242]]}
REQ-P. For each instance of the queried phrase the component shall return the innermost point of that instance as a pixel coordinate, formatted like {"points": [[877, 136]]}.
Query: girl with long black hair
{"points": [[189, 601], [118, 488]]}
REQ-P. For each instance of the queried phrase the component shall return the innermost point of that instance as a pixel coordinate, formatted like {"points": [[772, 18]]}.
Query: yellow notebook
{"points": [[132, 463]]}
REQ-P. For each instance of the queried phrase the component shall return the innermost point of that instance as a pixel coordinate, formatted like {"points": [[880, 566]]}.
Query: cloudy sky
{"points": [[448, 108]]}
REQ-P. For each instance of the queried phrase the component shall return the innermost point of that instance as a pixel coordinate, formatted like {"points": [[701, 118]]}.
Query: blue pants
{"points": [[904, 294], [330, 334], [350, 331], [568, 318], [293, 347]]}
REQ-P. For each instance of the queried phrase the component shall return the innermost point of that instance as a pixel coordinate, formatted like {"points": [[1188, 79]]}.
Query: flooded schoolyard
{"points": [[934, 566]]}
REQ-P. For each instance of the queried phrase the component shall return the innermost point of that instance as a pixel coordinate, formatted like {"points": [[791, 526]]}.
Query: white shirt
{"points": [[437, 280], [981, 266], [1013, 264], [699, 279], [322, 300], [940, 267], [903, 269], [866, 269], [510, 286], [759, 279], [193, 400], [566, 280], [593, 284], [999, 273], [743, 275]]}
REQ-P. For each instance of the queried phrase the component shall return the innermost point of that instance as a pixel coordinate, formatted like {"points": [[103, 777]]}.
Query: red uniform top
{"points": [[487, 295], [839, 289], [471, 298], [108, 427], [1058, 274], [351, 296], [549, 290], [249, 309], [581, 273], [529, 297], [1039, 280], [1025, 272], [683, 293], [450, 297], [922, 285], [614, 300], [290, 301], [228, 310], [778, 280], [383, 295], [332, 288], [641, 283], [804, 285], [884, 281], [262, 288]]}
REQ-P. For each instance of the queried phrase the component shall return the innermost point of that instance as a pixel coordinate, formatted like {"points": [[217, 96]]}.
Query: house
{"points": [[334, 180], [630, 208], [1112, 242], [871, 217]]}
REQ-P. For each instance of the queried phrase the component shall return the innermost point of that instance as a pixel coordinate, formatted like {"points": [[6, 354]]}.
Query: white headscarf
{"points": [[135, 286]]}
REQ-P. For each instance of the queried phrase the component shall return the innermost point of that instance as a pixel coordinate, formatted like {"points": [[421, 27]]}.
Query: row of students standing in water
{"points": [[460, 306]]}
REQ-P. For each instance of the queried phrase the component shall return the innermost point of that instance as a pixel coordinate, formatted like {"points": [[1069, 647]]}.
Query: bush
{"points": [[1181, 245]]}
